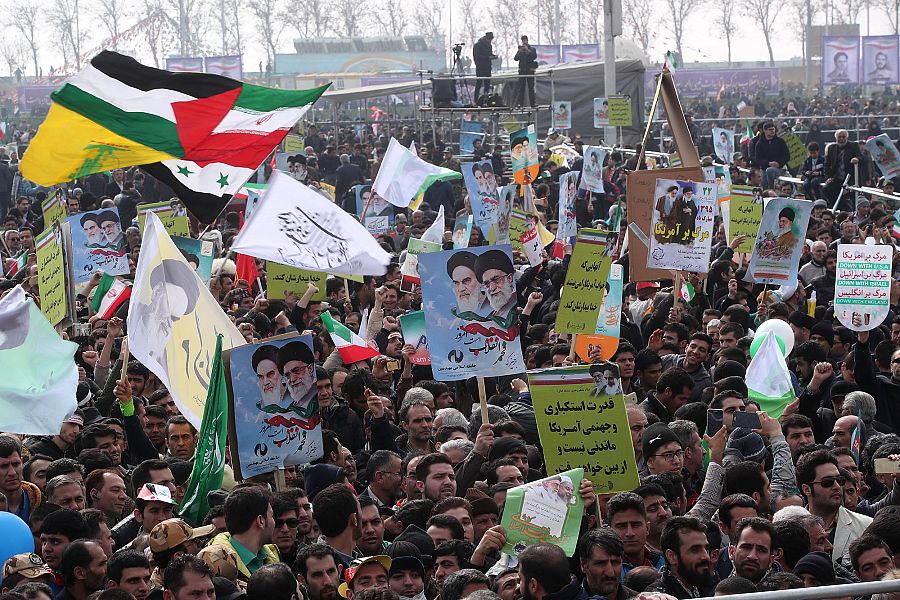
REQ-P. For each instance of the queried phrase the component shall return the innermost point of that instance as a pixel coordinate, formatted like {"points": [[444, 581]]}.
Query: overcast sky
{"points": [[704, 42]]}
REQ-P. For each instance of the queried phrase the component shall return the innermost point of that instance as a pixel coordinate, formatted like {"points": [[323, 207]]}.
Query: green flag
{"points": [[209, 460]]}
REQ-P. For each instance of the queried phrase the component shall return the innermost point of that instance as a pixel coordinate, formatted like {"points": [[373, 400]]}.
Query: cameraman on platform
{"points": [[483, 54], [527, 58]]}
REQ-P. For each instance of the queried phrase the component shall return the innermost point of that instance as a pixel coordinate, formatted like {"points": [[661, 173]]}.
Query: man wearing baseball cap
{"points": [[25, 568], [646, 290], [62, 444], [367, 573], [172, 538], [153, 505]]}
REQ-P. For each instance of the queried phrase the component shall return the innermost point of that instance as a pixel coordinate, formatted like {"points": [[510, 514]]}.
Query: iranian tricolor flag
{"points": [[687, 292], [748, 133], [350, 346], [110, 294], [17, 265]]}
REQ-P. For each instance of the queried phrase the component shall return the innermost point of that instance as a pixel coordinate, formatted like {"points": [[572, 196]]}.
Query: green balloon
{"points": [[758, 340]]}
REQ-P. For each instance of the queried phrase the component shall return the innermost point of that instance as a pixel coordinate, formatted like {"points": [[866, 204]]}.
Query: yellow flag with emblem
{"points": [[173, 322]]}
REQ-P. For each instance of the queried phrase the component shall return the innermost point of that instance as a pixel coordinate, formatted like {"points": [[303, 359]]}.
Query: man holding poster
{"points": [[276, 410], [682, 225], [862, 292], [780, 241], [470, 303]]}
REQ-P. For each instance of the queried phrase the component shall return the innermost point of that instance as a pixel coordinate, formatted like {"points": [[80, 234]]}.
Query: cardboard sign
{"points": [[582, 426], [641, 187], [862, 291], [620, 111], [51, 275]]}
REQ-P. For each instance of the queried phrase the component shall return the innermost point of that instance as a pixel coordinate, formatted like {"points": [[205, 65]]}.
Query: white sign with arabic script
{"points": [[295, 226]]}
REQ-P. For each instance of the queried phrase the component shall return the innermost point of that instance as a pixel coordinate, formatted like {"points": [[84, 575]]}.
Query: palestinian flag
{"points": [[201, 134], [18, 264], [350, 346], [110, 294]]}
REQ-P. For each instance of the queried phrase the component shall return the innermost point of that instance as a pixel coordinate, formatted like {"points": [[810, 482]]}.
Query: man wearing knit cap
{"points": [[748, 444], [407, 574], [662, 450], [485, 512], [815, 569], [822, 333], [512, 448], [416, 536]]}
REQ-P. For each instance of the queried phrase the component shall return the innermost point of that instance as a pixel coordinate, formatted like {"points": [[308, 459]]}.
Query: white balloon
{"points": [[780, 328]]}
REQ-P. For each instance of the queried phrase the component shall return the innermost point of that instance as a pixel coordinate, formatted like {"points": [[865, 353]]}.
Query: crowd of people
{"points": [[405, 502]]}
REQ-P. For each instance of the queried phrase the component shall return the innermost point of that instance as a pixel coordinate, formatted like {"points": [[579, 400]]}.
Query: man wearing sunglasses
{"points": [[823, 486]]}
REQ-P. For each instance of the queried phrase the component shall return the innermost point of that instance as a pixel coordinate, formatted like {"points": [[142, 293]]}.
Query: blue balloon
{"points": [[15, 536]]}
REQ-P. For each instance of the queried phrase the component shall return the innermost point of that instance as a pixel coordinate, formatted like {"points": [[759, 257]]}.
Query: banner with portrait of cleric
{"points": [[840, 60], [98, 244], [469, 299], [879, 60], [275, 405]]}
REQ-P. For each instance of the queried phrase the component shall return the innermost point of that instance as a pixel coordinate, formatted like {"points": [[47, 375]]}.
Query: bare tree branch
{"points": [[509, 13], [638, 17], [726, 23], [350, 15], [391, 17], [25, 17], [111, 13], [891, 9], [14, 52], [428, 19], [679, 11], [227, 21], [65, 17], [765, 13], [310, 18], [157, 31], [270, 24], [188, 18], [468, 9], [592, 16]]}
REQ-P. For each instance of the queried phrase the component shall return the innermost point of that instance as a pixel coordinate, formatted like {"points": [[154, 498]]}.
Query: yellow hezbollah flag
{"points": [[68, 146], [173, 322]]}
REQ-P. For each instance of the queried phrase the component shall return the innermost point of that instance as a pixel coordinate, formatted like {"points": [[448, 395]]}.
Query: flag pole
{"points": [[482, 399], [280, 483], [125, 356]]}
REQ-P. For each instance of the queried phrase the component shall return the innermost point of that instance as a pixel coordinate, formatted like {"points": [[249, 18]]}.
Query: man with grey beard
{"points": [[297, 365]]}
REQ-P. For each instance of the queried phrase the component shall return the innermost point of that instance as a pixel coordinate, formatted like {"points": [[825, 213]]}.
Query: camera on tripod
{"points": [[457, 50]]}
